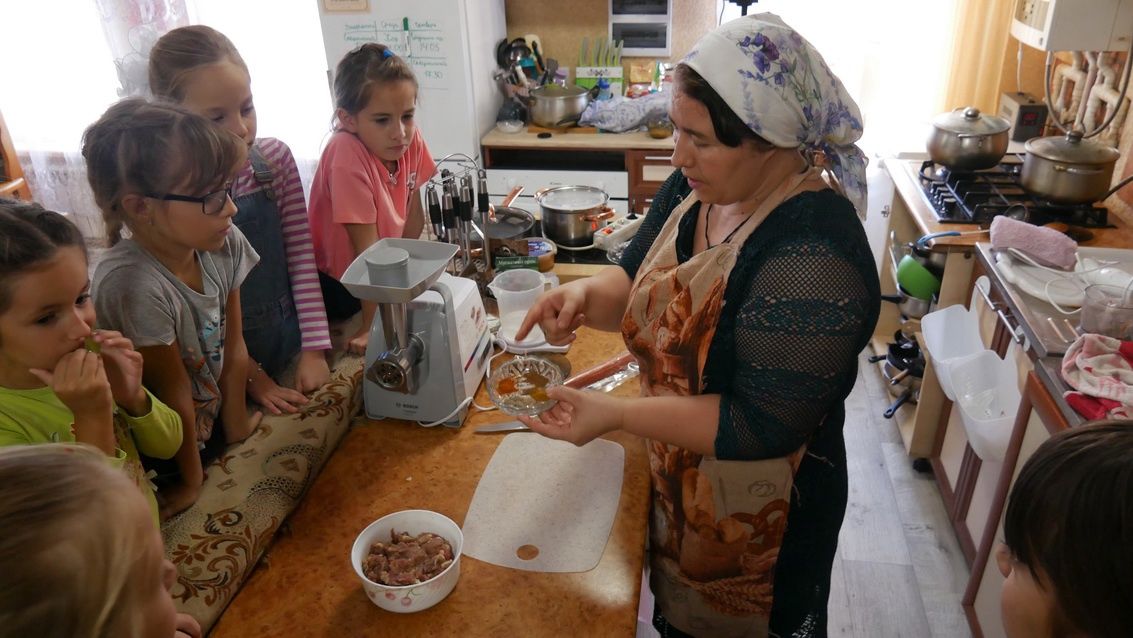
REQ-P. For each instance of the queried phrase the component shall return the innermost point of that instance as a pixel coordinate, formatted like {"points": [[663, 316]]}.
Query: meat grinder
{"points": [[429, 341]]}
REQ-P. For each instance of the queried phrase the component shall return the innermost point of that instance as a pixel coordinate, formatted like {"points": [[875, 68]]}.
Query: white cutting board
{"points": [[548, 501]]}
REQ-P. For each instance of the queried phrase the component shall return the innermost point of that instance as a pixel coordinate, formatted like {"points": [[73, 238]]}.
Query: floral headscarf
{"points": [[780, 86]]}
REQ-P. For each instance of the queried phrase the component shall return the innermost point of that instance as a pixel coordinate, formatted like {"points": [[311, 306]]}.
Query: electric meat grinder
{"points": [[429, 342]]}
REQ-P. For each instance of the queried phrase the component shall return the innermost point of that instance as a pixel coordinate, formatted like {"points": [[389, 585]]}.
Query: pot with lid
{"points": [[1069, 169], [968, 140]]}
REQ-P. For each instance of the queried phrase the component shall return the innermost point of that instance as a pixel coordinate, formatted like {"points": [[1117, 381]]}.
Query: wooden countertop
{"points": [[306, 586], [576, 141], [907, 183]]}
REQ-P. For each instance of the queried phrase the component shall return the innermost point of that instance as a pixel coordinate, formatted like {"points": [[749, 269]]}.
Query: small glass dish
{"points": [[519, 386], [510, 126]]}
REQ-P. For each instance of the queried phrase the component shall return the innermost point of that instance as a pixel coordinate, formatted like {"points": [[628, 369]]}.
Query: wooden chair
{"points": [[12, 182]]}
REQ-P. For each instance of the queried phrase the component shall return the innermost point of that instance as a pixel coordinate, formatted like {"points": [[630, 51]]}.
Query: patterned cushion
{"points": [[250, 490]]}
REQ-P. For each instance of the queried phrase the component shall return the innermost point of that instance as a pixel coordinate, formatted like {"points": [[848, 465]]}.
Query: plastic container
{"points": [[951, 335], [516, 292], [604, 89], [409, 598], [987, 394]]}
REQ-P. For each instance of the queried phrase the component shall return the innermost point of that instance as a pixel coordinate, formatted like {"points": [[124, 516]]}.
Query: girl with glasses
{"points": [[284, 318], [173, 286]]}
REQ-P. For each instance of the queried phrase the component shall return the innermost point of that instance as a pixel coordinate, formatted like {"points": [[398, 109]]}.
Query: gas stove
{"points": [[975, 197]]}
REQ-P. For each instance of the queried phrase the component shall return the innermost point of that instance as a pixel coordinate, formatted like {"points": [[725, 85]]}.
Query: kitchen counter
{"points": [[306, 586], [576, 141]]}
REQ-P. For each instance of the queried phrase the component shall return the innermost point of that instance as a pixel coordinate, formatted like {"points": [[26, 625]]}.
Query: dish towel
{"points": [[1100, 369], [1045, 245]]}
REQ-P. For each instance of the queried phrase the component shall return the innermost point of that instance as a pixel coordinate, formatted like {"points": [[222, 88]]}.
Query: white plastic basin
{"points": [[987, 394]]}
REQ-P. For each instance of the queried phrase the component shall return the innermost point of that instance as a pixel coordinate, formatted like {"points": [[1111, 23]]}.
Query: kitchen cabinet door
{"points": [[1038, 418], [647, 171]]}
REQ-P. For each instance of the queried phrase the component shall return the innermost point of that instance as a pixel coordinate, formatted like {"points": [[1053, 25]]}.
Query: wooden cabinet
{"points": [[12, 182], [647, 169]]}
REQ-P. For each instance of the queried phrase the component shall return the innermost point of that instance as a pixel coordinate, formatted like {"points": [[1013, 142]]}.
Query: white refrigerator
{"points": [[451, 46]]}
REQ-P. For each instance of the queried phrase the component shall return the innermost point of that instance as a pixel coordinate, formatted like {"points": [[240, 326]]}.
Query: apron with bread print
{"points": [[716, 525]]}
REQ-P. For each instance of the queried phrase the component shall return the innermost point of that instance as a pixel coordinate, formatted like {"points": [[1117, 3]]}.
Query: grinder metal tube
{"points": [[393, 369]]}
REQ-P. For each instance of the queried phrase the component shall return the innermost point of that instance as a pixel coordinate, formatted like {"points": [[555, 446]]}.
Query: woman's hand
{"points": [[558, 312], [357, 343], [579, 417], [312, 372], [275, 398], [124, 371]]}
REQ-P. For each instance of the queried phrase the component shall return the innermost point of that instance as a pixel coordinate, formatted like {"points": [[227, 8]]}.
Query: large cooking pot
{"points": [[968, 140], [555, 106], [1068, 169], [571, 214]]}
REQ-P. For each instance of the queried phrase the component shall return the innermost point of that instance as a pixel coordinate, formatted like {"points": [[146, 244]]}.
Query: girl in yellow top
{"points": [[60, 380]]}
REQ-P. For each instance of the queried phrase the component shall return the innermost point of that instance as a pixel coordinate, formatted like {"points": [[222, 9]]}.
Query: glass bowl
{"points": [[518, 387]]}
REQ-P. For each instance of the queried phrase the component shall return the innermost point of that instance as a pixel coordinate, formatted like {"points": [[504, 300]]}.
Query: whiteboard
{"points": [[436, 38]]}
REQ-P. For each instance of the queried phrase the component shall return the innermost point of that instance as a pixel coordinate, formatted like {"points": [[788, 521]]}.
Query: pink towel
{"points": [[1045, 245], [1100, 368]]}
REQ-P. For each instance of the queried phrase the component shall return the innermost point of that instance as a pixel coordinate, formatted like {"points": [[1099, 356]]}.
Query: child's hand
{"points": [[238, 429], [357, 343], [177, 498], [79, 380], [275, 398], [312, 372], [124, 371], [187, 627]]}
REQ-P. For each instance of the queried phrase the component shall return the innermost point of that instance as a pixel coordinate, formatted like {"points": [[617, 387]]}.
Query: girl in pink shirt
{"points": [[369, 176]]}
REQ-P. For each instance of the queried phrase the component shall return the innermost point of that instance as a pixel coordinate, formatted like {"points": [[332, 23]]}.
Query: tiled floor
{"points": [[899, 571]]}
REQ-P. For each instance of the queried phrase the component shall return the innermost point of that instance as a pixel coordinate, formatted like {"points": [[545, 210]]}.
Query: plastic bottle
{"points": [[604, 89]]}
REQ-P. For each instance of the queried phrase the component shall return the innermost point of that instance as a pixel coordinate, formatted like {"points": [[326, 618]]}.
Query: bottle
{"points": [[604, 89]]}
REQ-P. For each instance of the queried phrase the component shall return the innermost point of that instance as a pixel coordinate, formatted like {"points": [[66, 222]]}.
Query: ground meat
{"points": [[407, 560]]}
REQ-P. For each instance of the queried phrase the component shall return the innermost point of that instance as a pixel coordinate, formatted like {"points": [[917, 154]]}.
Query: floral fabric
{"points": [[780, 86]]}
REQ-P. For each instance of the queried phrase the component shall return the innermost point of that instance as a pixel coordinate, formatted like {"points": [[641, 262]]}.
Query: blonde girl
{"points": [[60, 379], [281, 302], [367, 182], [173, 286], [80, 554]]}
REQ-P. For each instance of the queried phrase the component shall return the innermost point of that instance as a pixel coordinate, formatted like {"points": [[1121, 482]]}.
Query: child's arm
{"points": [[415, 217], [165, 373], [362, 236], [234, 376], [312, 371], [155, 428]]}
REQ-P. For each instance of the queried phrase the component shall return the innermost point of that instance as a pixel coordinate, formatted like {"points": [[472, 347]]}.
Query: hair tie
{"points": [[387, 53]]}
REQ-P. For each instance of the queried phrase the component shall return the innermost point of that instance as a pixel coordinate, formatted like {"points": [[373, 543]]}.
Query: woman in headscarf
{"points": [[746, 297]]}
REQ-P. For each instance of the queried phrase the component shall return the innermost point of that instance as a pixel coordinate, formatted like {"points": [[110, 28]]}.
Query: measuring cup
{"points": [[516, 292]]}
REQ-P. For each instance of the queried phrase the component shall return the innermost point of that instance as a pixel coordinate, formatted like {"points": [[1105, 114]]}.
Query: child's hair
{"points": [[1070, 519], [29, 236], [70, 548], [155, 148], [183, 50], [363, 68]]}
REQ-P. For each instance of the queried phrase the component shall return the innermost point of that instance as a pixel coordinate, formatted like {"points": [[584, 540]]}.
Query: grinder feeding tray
{"points": [[425, 354]]}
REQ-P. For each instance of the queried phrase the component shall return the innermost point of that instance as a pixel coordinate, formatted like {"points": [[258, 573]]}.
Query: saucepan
{"points": [[968, 140], [572, 214], [1069, 169], [554, 106]]}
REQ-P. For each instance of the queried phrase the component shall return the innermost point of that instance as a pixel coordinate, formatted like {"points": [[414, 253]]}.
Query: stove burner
{"points": [[975, 197]]}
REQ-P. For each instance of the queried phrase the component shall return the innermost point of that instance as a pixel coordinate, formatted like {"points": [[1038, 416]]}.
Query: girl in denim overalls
{"points": [[281, 301]]}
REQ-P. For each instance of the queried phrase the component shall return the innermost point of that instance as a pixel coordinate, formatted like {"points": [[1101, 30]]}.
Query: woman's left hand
{"points": [[123, 370], [580, 416], [312, 371]]}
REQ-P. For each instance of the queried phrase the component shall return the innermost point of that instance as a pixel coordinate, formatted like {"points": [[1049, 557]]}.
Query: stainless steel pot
{"points": [[966, 139], [910, 306], [554, 106], [1069, 170], [571, 214]]}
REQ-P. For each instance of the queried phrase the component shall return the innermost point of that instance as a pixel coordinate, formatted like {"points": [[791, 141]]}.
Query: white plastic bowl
{"points": [[950, 335], [409, 598], [987, 393]]}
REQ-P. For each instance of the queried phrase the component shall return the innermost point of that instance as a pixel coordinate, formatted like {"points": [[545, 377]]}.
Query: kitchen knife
{"points": [[506, 426]]}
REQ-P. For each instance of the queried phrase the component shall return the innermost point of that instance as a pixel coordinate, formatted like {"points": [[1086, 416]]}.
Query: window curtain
{"points": [[980, 39]]}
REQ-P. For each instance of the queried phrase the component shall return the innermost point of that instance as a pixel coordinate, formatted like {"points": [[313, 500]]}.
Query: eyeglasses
{"points": [[211, 204]]}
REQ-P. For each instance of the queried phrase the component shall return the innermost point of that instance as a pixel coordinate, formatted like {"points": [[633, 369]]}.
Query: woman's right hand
{"points": [[559, 312]]}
